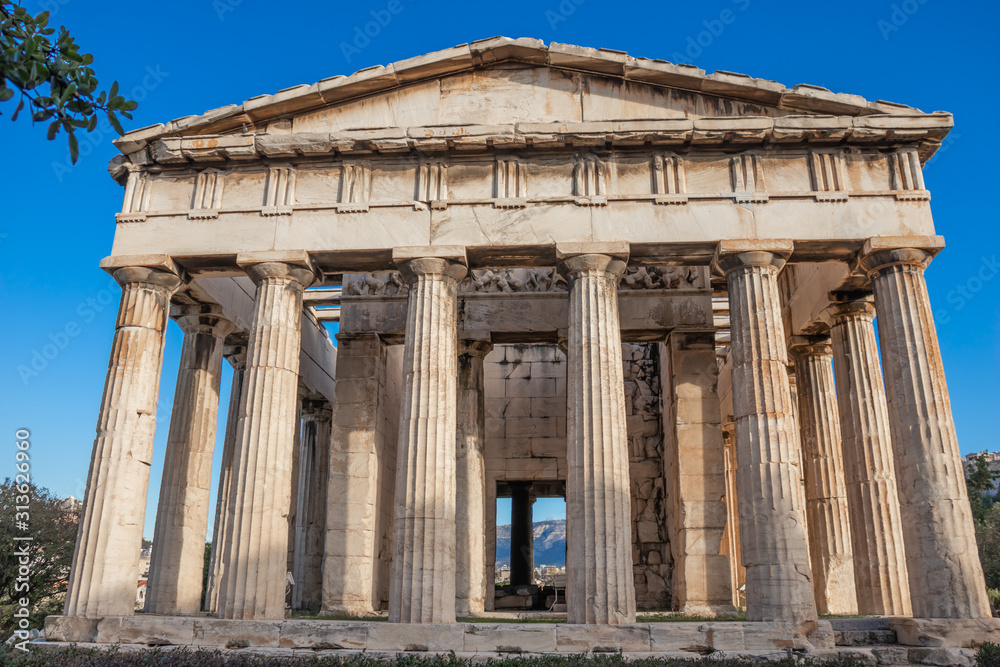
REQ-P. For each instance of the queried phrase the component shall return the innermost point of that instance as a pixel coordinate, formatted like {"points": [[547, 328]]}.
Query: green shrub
{"points": [[988, 655]]}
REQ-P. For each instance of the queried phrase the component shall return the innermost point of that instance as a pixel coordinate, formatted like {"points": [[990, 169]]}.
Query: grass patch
{"points": [[308, 616], [539, 619], [674, 617]]}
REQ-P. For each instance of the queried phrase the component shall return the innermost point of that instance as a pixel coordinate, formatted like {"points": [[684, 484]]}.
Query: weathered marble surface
{"points": [[876, 526], [826, 492], [422, 589], [773, 539], [106, 560], [255, 546], [598, 539], [175, 569]]}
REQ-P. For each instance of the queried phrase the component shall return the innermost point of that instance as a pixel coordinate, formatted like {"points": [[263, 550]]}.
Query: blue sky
{"points": [[190, 56]]}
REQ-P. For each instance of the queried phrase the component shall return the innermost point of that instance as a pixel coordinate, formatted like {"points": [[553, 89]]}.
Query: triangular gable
{"points": [[520, 80]]}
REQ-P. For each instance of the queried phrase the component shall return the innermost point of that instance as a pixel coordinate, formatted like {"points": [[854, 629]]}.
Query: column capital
{"points": [[574, 259], [235, 350], [152, 277], [742, 253], [443, 261], [849, 305], [202, 318], [295, 265], [156, 270], [810, 346], [474, 348], [881, 253], [316, 409]]}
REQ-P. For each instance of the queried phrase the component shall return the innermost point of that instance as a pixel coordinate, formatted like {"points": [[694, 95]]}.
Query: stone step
{"points": [[865, 637]]}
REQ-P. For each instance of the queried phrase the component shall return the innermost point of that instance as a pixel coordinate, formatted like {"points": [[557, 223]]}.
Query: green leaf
{"points": [[6, 94], [20, 105], [114, 90], [53, 129], [114, 123], [74, 148]]}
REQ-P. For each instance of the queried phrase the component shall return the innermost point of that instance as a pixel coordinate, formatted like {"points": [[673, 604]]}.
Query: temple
{"points": [[557, 271]]}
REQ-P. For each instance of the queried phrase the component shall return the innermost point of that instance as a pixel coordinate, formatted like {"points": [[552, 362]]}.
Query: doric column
{"points": [[772, 520], [422, 589], [876, 531], [945, 574], [236, 352], [292, 517], [255, 548], [522, 543], [178, 559], [106, 560], [350, 564], [310, 515], [826, 492], [470, 508], [600, 585]]}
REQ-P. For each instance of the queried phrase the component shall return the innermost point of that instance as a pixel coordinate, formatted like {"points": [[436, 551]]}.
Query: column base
{"points": [[358, 610], [710, 610]]}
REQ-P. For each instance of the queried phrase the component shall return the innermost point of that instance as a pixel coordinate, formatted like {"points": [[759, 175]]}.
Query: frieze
{"points": [[527, 281]]}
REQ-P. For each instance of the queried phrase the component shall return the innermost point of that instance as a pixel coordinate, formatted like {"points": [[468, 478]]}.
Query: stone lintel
{"points": [[453, 253], [615, 249], [212, 264]]}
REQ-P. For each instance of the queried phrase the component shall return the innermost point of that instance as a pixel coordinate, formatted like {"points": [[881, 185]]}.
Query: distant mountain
{"points": [[550, 543]]}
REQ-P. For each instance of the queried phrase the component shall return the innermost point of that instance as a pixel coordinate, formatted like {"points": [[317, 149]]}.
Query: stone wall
{"points": [[651, 559], [525, 400]]}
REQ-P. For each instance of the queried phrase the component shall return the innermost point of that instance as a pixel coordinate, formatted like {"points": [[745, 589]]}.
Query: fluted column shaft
{"points": [[237, 356], [178, 558], [945, 573], [600, 582], [422, 589], [255, 548], [106, 560], [470, 508], [876, 530], [773, 537], [310, 515], [826, 492]]}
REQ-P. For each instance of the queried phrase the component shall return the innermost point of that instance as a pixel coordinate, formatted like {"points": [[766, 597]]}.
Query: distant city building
{"points": [[992, 461]]}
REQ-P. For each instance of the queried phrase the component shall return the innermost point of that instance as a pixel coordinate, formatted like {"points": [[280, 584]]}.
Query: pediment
{"points": [[510, 82]]}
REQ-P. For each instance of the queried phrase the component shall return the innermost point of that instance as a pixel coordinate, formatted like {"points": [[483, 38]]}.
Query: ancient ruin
{"points": [[557, 271]]}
